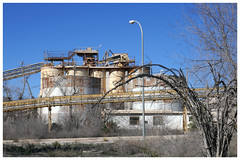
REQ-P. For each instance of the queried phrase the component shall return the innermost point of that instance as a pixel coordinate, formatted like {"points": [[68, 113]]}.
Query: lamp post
{"points": [[143, 104]]}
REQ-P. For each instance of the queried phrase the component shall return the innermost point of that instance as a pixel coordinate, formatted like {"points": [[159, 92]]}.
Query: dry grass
{"points": [[184, 146], [34, 128], [24, 129], [162, 146], [233, 146]]}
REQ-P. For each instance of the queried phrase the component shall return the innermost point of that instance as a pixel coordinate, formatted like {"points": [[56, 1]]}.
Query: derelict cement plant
{"points": [[68, 86]]}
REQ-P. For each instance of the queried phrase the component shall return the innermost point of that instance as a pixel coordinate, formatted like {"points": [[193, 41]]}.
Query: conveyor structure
{"points": [[22, 71], [92, 99]]}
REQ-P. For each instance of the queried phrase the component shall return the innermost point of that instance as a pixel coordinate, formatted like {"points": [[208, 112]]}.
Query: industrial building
{"points": [[63, 75], [73, 81]]}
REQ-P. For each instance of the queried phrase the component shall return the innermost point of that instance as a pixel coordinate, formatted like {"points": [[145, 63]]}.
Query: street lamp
{"points": [[143, 107]]}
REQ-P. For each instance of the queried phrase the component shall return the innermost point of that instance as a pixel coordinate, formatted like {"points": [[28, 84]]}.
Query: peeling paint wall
{"points": [[55, 83]]}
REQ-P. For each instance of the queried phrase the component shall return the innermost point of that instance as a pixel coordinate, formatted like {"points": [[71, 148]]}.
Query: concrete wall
{"points": [[169, 121], [173, 105]]}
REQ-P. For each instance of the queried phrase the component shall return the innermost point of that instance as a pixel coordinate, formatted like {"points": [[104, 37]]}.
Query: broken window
{"points": [[134, 120], [158, 120]]}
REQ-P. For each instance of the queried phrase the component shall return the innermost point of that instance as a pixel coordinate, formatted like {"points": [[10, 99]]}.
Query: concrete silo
{"points": [[100, 73], [75, 81], [114, 76]]}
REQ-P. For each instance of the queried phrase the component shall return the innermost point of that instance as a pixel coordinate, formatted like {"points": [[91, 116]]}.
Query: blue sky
{"points": [[29, 29]]}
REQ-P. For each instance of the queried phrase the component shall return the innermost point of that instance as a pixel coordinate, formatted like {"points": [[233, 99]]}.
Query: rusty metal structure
{"points": [[68, 85], [89, 55], [109, 69], [64, 75], [22, 71]]}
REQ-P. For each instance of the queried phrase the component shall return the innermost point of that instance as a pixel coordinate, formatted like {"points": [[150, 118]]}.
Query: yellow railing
{"points": [[88, 99]]}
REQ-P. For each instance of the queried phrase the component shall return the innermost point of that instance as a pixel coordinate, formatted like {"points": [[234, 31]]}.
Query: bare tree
{"points": [[12, 93], [211, 30], [215, 114]]}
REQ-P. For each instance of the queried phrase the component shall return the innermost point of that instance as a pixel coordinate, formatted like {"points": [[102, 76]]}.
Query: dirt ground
{"points": [[135, 146]]}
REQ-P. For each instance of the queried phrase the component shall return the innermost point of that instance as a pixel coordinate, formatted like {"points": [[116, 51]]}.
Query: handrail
{"points": [[89, 99]]}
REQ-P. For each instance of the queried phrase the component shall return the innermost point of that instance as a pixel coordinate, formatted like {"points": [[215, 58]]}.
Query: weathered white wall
{"points": [[58, 112], [170, 122], [158, 105]]}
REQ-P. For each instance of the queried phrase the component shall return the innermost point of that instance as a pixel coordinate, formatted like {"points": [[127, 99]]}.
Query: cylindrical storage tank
{"points": [[114, 76], [137, 82], [47, 75], [59, 85], [79, 85], [139, 71], [78, 72], [82, 85], [100, 73]]}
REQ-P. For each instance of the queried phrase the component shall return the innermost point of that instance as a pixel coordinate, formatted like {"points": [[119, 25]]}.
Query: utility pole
{"points": [[143, 103]]}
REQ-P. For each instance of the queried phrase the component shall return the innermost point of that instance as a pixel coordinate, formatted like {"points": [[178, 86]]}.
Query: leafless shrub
{"points": [[216, 121], [176, 146], [126, 148], [24, 129], [77, 124], [161, 146], [75, 133]]}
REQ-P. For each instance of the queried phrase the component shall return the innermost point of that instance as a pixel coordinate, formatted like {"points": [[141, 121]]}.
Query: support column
{"points": [[49, 119], [107, 80], [185, 128], [71, 114]]}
